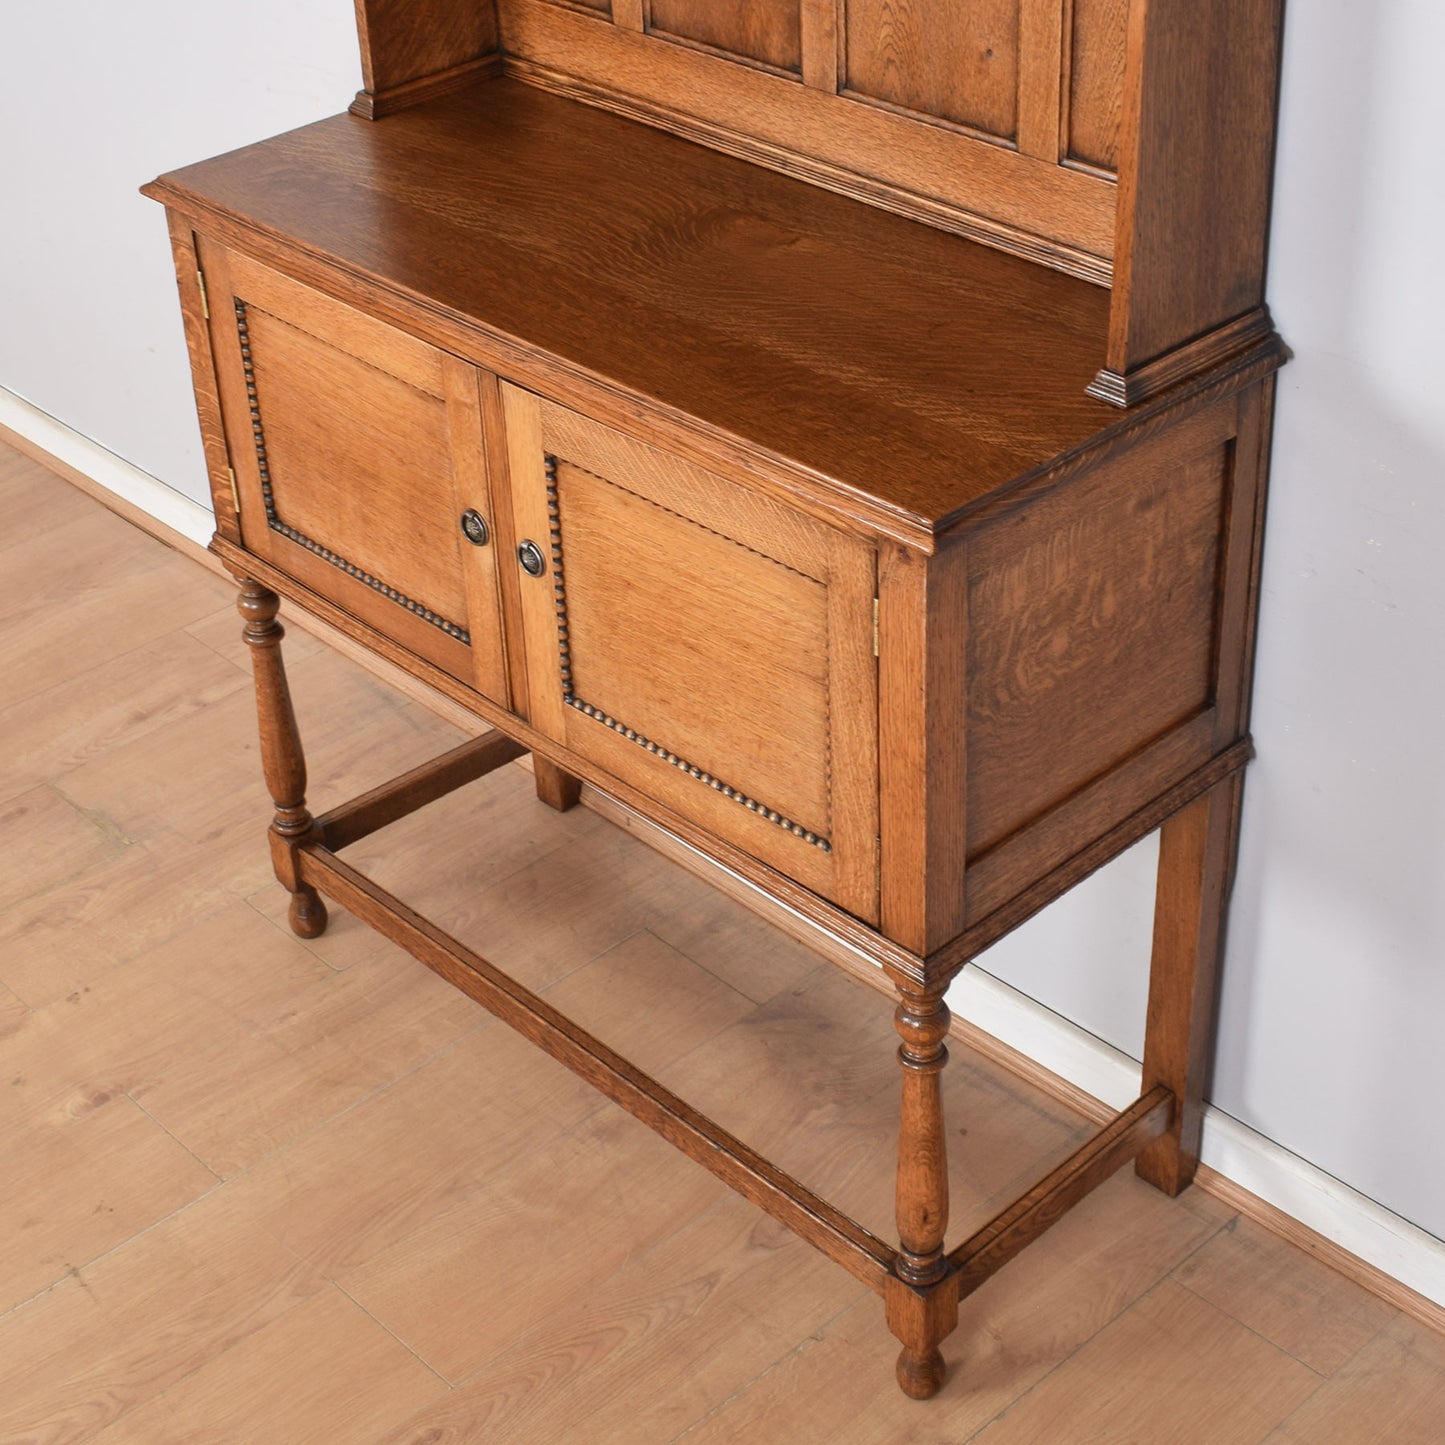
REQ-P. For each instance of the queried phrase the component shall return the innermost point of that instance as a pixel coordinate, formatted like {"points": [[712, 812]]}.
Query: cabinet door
{"points": [[358, 457], [705, 644]]}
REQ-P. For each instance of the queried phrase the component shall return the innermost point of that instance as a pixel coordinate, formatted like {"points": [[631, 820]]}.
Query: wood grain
{"points": [[408, 40], [1193, 198], [1096, 81], [923, 395], [761, 30], [1098, 606], [1200, 1365], [644, 655], [1196, 867], [1302, 1306], [945, 174], [923, 627], [958, 63]]}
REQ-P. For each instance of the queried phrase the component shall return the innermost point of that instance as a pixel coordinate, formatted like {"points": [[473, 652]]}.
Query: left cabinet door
{"points": [[360, 464]]}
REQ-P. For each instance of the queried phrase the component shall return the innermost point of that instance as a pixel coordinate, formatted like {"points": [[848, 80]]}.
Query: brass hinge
{"points": [[235, 491], [876, 652], [205, 300]]}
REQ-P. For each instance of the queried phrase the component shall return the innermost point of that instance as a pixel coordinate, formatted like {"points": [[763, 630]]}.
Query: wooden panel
{"points": [[405, 40], [821, 30], [647, 644], [937, 57], [203, 374], [1194, 191], [765, 30], [945, 175], [1093, 624], [922, 644], [1096, 81], [1041, 77], [342, 443], [703, 643]]}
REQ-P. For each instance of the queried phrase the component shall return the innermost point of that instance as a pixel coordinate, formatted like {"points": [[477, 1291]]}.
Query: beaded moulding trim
{"points": [[647, 744], [274, 522]]}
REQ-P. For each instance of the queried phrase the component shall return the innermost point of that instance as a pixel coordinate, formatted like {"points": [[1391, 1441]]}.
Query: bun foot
{"points": [[920, 1377], [308, 914]]}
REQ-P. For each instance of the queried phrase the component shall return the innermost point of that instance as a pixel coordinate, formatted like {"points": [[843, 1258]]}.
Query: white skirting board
{"points": [[124, 480], [1257, 1165]]}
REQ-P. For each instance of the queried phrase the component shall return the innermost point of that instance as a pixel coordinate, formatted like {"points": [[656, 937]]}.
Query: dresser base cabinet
{"points": [[708, 405]]}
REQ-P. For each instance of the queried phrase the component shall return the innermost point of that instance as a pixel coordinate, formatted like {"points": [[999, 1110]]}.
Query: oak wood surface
{"points": [[922, 759], [701, 643], [754, 29], [875, 147], [1194, 191], [912, 367], [959, 63], [1096, 81], [1097, 605], [409, 40], [1197, 849], [351, 442]]}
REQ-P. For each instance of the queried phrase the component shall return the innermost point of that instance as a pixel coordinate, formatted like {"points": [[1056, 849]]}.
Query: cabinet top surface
{"points": [[915, 368]]}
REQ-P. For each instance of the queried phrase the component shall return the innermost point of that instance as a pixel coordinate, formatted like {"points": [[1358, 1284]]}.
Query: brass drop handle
{"points": [[474, 528], [529, 554]]}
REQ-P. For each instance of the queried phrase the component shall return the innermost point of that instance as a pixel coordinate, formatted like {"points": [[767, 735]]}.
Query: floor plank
{"points": [[347, 1380], [1173, 1370], [1295, 1302], [1392, 1392]]}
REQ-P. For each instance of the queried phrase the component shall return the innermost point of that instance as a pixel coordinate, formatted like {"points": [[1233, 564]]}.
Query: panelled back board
{"points": [[998, 119]]}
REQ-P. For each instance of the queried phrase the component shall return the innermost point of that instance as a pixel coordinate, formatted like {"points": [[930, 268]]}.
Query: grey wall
{"points": [[1334, 991], [97, 99]]}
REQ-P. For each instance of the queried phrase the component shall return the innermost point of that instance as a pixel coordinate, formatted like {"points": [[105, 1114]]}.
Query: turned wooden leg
{"points": [[554, 787], [918, 1313], [1196, 867], [282, 760]]}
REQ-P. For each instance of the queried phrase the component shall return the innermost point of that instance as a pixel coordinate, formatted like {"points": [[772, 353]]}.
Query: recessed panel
{"points": [[1091, 629], [769, 31], [702, 646], [954, 59], [358, 463], [1096, 81]]}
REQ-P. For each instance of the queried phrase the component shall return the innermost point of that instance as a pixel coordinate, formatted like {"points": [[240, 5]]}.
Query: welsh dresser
{"points": [[835, 429]]}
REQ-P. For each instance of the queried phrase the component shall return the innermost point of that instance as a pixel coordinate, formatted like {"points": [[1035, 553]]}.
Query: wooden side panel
{"points": [[1195, 163], [1094, 627], [702, 643], [923, 648], [769, 31], [940, 58], [407, 40], [190, 283], [1096, 81]]}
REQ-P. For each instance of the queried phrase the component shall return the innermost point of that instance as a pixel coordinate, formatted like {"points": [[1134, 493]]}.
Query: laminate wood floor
{"points": [[268, 1192]]}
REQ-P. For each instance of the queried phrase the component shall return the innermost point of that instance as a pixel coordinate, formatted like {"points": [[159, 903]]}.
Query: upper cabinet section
{"points": [[1129, 143]]}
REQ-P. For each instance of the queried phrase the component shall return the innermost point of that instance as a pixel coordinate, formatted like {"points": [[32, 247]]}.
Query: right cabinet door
{"points": [[705, 644]]}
